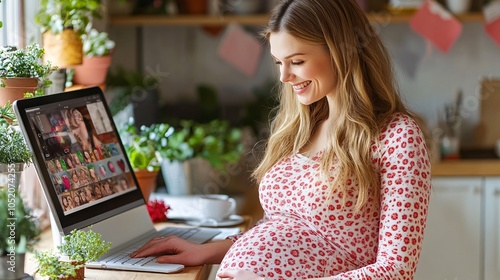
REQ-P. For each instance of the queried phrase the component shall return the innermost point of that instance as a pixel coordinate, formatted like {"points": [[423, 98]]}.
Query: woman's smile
{"points": [[301, 87]]}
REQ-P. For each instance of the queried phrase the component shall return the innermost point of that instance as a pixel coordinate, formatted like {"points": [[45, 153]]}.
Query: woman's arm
{"points": [[177, 250], [404, 199]]}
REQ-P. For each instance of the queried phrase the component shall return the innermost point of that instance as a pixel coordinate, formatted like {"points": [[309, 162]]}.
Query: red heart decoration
{"points": [[121, 164]]}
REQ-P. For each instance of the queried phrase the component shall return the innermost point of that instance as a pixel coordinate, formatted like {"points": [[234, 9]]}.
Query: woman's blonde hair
{"points": [[366, 93]]}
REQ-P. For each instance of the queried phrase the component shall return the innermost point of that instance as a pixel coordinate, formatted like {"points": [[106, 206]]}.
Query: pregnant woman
{"points": [[345, 178]]}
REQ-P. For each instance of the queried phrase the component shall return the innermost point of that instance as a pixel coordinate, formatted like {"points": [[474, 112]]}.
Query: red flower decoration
{"points": [[157, 210]]}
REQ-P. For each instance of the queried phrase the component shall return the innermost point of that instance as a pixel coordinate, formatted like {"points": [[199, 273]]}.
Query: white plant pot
{"points": [[193, 176], [177, 177], [458, 6]]}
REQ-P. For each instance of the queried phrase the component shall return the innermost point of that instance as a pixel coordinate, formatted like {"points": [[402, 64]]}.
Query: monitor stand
{"points": [[56, 235]]}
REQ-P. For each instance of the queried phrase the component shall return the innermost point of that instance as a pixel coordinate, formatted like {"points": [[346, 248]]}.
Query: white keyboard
{"points": [[121, 259]]}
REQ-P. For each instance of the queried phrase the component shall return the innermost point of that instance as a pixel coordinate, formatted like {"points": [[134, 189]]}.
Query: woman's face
{"points": [[58, 164], [124, 184], [93, 174], [77, 116], [97, 191], [305, 66], [65, 201]]}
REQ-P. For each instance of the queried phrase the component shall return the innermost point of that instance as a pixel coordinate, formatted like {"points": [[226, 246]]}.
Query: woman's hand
{"points": [[238, 274], [172, 249]]}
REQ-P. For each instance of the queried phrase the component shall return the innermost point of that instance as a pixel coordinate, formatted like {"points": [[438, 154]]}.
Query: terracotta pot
{"points": [[63, 49], [93, 71], [147, 182], [194, 7], [15, 88], [80, 274]]}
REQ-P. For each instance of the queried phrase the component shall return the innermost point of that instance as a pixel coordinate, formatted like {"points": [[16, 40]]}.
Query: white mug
{"points": [[458, 6], [216, 206]]}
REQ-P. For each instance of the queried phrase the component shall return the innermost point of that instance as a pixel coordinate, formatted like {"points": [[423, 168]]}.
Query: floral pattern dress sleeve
{"points": [[405, 179]]}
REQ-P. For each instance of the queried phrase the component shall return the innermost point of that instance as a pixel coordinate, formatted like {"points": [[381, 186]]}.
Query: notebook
{"points": [[87, 178]]}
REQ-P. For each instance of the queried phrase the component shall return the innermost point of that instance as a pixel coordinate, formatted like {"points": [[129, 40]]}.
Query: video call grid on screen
{"points": [[81, 151]]}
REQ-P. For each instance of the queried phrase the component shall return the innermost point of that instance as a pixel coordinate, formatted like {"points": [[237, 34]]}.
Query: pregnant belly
{"points": [[283, 250]]}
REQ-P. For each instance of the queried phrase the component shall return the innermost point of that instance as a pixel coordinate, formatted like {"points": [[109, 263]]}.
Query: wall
{"points": [[186, 57]]}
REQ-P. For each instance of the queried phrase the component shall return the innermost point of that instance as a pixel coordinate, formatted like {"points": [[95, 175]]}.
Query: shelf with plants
{"points": [[258, 19]]}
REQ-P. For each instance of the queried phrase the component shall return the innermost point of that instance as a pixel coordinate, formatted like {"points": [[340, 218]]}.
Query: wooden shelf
{"points": [[150, 20], [405, 17], [189, 20]]}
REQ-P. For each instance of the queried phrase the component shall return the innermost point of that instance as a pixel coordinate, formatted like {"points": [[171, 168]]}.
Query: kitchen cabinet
{"points": [[492, 228], [452, 247]]}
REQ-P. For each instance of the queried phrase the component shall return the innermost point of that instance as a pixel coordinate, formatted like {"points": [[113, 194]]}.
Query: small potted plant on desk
{"points": [[21, 72], [18, 233], [78, 248]]}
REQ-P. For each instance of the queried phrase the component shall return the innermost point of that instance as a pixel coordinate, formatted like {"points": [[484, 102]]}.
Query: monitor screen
{"points": [[79, 155]]}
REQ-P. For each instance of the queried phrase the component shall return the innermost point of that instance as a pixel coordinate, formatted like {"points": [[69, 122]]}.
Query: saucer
{"points": [[229, 221]]}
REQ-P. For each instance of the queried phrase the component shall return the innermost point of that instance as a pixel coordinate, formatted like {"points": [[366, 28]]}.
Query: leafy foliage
{"points": [[21, 236], [79, 247], [25, 63], [57, 15], [50, 266], [97, 43], [215, 141], [141, 147], [84, 246], [13, 148]]}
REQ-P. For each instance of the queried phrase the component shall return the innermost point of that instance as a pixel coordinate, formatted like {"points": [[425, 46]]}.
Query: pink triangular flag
{"points": [[437, 25], [492, 18], [240, 49]]}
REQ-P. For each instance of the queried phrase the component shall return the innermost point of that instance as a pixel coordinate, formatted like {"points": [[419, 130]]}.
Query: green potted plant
{"points": [[200, 147], [18, 233], [21, 72], [78, 248], [143, 155], [215, 141], [97, 49], [14, 153], [62, 24]]}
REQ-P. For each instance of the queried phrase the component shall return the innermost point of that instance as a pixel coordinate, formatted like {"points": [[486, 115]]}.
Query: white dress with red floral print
{"points": [[306, 235]]}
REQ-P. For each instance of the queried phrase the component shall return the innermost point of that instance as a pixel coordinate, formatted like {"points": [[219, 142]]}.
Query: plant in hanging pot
{"points": [[62, 24], [78, 248], [97, 49], [17, 235], [21, 72]]}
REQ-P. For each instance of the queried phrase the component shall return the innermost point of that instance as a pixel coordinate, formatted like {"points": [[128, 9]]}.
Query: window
{"points": [[11, 34], [18, 18]]}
